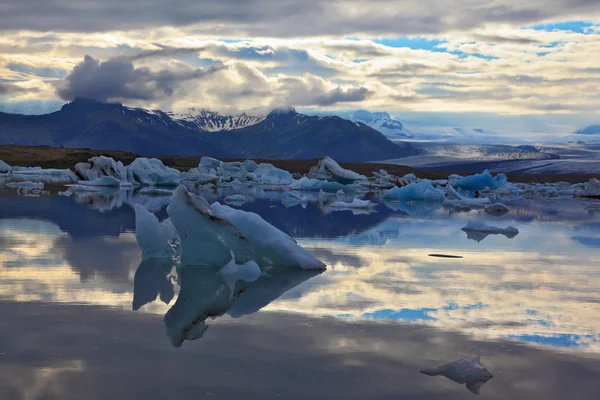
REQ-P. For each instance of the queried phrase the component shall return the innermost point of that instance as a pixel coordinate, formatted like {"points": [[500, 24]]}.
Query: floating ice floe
{"points": [[591, 189], [209, 233], [26, 184], [51, 175], [83, 188], [355, 204], [471, 372], [480, 181], [305, 184], [328, 169], [237, 199], [156, 239], [66, 193], [421, 191], [479, 230]]}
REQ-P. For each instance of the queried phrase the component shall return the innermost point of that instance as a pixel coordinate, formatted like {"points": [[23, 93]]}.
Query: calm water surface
{"points": [[84, 317]]}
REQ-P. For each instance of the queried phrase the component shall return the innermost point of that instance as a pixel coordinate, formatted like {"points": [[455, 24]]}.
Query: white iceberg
{"points": [[421, 191], [270, 175], [97, 167], [237, 199], [105, 181], [26, 184], [151, 172], [305, 184], [479, 230], [328, 169], [209, 233], [51, 175], [355, 204], [156, 239], [591, 189], [480, 181], [471, 372]]}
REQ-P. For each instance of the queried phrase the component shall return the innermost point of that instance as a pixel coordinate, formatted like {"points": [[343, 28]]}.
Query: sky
{"points": [[515, 65]]}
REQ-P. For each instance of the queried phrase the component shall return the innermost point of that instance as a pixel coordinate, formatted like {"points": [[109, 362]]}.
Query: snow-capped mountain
{"points": [[382, 122], [210, 121]]}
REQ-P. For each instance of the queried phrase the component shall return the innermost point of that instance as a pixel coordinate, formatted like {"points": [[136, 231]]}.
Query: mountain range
{"points": [[282, 134]]}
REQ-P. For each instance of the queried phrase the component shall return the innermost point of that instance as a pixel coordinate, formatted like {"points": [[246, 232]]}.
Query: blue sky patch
{"points": [[416, 43], [573, 26]]}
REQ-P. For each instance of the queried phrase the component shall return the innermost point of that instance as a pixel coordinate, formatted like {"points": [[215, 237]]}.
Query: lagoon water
{"points": [[84, 317]]}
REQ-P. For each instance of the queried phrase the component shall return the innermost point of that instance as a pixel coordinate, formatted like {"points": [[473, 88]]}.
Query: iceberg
{"points": [[4, 167], [237, 199], [151, 191], [355, 204], [209, 233], [591, 189], [480, 181], [156, 239], [105, 181], [66, 193], [83, 188], [151, 172], [479, 230], [471, 372], [421, 191], [328, 169], [305, 184], [26, 184], [59, 176], [141, 172], [270, 175]]}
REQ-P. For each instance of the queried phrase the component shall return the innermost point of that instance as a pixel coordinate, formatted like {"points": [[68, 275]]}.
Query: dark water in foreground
{"points": [[71, 276]]}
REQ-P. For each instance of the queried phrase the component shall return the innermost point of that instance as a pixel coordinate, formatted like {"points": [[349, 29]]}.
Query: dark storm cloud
{"points": [[339, 95], [120, 79], [10, 89], [229, 18]]}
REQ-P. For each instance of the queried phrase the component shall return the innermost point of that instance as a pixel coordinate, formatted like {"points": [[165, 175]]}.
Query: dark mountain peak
{"points": [[82, 103]]}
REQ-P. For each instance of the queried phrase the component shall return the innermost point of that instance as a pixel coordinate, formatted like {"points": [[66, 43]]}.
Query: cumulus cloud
{"points": [[120, 79]]}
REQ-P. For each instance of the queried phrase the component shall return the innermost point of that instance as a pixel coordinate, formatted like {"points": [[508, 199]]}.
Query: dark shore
{"points": [[58, 157]]}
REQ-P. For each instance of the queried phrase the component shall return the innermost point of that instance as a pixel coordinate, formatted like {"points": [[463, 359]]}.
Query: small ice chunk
{"points": [[471, 372], [65, 193], [155, 238], [82, 188], [356, 203], [421, 191], [479, 230], [340, 194], [249, 166], [26, 184], [4, 167], [459, 202], [237, 199]]}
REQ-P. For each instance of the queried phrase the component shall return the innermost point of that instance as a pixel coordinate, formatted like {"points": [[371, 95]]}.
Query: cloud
{"points": [[284, 18], [120, 79], [10, 89]]}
